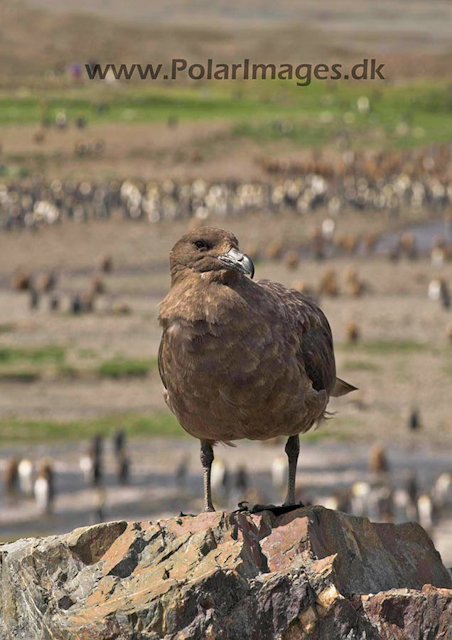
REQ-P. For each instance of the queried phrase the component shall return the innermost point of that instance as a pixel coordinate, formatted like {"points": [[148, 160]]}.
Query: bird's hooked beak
{"points": [[235, 259]]}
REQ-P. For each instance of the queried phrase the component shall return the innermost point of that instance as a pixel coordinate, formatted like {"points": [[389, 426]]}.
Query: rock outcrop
{"points": [[311, 573]]}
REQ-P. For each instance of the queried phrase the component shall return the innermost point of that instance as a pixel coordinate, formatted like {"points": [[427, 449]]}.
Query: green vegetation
{"points": [[398, 115], [7, 327], [10, 354], [128, 104], [123, 368], [306, 133], [360, 365], [19, 376], [50, 360], [67, 371], [87, 353], [383, 347], [51, 353], [15, 362], [158, 424], [447, 365]]}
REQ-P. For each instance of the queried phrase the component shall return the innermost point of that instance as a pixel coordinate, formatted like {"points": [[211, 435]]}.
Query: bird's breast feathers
{"points": [[231, 364]]}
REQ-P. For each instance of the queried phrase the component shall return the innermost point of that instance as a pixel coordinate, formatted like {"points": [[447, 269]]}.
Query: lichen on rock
{"points": [[310, 573]]}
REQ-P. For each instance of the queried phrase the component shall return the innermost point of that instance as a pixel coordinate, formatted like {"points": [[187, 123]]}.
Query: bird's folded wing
{"points": [[316, 351], [160, 361]]}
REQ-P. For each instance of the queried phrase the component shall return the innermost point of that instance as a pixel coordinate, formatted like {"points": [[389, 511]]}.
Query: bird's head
{"points": [[209, 250]]}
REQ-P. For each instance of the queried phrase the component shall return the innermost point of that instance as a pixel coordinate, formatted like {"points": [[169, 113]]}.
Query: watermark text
{"points": [[302, 74]]}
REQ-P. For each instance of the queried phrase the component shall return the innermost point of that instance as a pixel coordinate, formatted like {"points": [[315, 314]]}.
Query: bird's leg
{"points": [[206, 461], [292, 449]]}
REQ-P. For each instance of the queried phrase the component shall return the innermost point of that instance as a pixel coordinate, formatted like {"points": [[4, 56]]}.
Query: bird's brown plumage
{"points": [[240, 359]]}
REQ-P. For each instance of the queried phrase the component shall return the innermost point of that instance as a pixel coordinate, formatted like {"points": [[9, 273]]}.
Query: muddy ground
{"points": [[154, 491], [403, 358], [411, 40]]}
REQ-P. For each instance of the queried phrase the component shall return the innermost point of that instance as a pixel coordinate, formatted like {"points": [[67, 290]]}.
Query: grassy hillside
{"points": [[397, 115]]}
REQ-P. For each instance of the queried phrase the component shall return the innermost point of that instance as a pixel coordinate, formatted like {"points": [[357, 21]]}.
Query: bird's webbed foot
{"points": [[242, 506], [276, 510]]}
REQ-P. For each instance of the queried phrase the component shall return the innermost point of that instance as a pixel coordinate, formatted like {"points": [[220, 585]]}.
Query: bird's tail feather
{"points": [[341, 388]]}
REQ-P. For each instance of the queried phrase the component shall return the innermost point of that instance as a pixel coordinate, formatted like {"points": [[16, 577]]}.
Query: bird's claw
{"points": [[277, 511], [258, 508], [242, 506]]}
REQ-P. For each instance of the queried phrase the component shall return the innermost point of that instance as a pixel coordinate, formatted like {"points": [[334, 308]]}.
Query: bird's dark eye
{"points": [[200, 244]]}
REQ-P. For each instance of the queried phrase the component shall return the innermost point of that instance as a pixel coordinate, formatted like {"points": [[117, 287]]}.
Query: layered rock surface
{"points": [[311, 573]]}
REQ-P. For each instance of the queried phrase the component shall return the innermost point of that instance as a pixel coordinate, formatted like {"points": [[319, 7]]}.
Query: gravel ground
{"points": [[154, 492], [402, 361]]}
